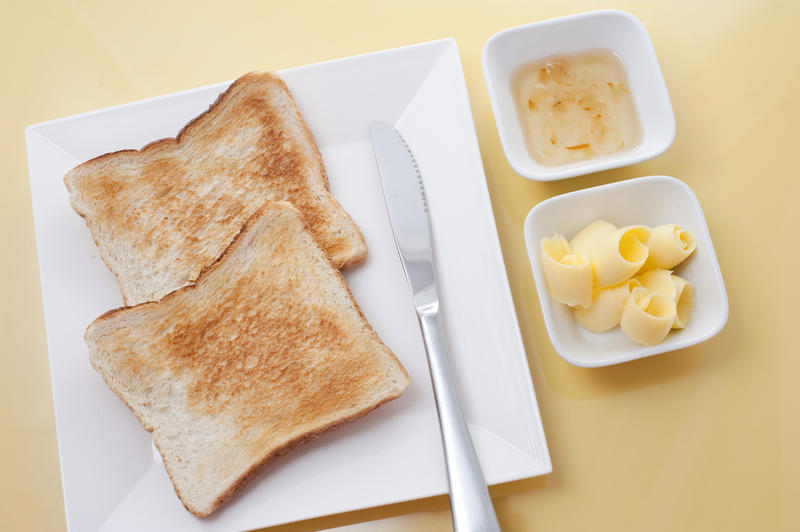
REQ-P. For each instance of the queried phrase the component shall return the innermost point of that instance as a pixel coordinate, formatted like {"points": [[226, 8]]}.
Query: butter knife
{"points": [[404, 194]]}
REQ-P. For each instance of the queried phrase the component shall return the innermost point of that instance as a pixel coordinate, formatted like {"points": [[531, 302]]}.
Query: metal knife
{"points": [[404, 193]]}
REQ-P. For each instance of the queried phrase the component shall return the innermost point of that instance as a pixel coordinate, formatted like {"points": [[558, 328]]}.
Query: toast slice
{"points": [[266, 350], [161, 214]]}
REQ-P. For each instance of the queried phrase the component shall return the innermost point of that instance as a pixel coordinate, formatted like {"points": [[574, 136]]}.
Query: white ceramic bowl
{"points": [[617, 31], [652, 201]]}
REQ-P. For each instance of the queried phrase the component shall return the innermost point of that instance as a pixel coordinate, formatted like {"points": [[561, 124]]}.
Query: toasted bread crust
{"points": [[264, 462], [130, 345], [248, 475], [159, 214]]}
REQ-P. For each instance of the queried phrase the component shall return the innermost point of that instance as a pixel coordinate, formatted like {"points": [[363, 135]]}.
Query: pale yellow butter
{"points": [[612, 276]]}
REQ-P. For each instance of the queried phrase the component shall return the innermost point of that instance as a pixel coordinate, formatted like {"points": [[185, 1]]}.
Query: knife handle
{"points": [[470, 503]]}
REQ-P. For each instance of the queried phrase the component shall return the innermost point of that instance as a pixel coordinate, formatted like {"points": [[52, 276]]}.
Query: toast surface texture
{"points": [[162, 213], [267, 349]]}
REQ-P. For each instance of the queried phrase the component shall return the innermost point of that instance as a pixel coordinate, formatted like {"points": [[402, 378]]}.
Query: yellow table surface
{"points": [[705, 438]]}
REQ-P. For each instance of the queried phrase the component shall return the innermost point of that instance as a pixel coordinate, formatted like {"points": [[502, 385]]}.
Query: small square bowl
{"points": [[618, 31], [651, 201]]}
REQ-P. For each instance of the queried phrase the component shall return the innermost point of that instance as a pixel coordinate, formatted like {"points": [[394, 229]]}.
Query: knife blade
{"points": [[404, 194]]}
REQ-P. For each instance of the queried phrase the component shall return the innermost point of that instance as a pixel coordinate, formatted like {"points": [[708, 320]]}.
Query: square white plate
{"points": [[651, 201], [618, 31], [111, 478]]}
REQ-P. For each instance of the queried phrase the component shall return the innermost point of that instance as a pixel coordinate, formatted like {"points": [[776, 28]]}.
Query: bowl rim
{"points": [[642, 351], [528, 168]]}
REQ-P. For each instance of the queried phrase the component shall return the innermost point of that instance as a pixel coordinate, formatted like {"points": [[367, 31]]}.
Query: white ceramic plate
{"points": [[111, 479], [652, 201]]}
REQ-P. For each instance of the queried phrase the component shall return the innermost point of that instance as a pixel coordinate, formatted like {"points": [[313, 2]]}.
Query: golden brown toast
{"points": [[159, 215], [267, 349]]}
